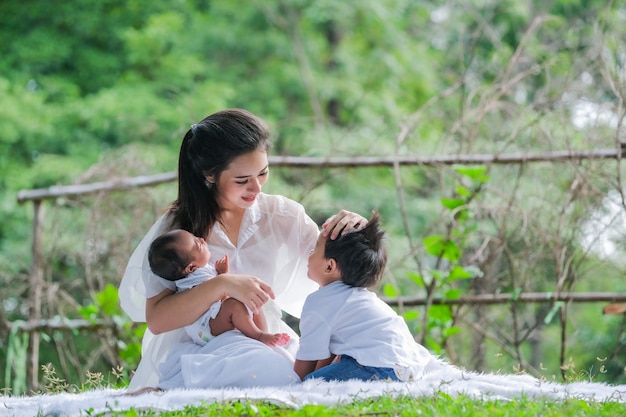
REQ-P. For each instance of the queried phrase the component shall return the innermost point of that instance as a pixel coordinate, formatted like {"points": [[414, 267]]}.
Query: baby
{"points": [[181, 257]]}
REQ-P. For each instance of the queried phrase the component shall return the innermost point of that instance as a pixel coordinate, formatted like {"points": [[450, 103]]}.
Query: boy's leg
{"points": [[348, 368], [234, 315]]}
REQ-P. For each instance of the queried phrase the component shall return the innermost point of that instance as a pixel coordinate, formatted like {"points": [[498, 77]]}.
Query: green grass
{"points": [[436, 406]]}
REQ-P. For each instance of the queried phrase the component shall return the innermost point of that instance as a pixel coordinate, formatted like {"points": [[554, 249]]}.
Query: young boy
{"points": [[347, 332], [182, 257]]}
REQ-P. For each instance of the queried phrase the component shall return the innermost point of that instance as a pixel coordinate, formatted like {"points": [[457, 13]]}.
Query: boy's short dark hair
{"points": [[165, 259], [360, 255]]}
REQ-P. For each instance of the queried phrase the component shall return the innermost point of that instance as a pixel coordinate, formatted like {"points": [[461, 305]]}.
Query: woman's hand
{"points": [[248, 289], [168, 311], [341, 223]]}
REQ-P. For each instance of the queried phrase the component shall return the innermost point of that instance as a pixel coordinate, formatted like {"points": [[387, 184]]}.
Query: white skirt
{"points": [[228, 360]]}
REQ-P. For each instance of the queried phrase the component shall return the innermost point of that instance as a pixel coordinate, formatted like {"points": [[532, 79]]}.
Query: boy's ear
{"points": [[331, 266]]}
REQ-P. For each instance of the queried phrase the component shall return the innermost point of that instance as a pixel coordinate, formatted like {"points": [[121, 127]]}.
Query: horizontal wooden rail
{"points": [[32, 326], [489, 299], [330, 162], [57, 191], [530, 297]]}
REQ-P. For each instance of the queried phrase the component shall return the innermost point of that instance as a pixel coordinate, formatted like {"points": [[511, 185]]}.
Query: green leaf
{"points": [[107, 299], [417, 279], [438, 245], [452, 252], [411, 315], [454, 293], [440, 313], [462, 191], [433, 345], [458, 272], [89, 312], [555, 308], [434, 244], [451, 331], [389, 290], [478, 173], [452, 203]]}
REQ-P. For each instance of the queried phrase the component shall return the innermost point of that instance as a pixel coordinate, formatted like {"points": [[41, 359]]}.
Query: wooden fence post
{"points": [[35, 294]]}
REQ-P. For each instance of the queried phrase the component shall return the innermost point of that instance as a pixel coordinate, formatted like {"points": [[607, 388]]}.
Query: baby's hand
{"points": [[221, 265]]}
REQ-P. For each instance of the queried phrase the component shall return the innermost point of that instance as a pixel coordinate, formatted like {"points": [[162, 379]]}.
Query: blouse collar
{"points": [[248, 224]]}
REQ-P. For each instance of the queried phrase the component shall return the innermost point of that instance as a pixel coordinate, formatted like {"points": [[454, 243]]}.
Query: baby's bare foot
{"points": [[277, 339]]}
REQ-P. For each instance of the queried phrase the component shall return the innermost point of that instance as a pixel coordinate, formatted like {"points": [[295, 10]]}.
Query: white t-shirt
{"points": [[343, 320], [275, 238]]}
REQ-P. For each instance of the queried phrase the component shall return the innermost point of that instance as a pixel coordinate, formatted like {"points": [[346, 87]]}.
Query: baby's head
{"points": [[360, 255], [177, 253]]}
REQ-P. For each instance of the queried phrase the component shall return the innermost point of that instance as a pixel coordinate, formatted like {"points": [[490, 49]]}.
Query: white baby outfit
{"points": [[200, 330]]}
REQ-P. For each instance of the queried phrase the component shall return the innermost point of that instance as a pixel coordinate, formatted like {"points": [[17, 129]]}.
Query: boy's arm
{"points": [[303, 368], [325, 362]]}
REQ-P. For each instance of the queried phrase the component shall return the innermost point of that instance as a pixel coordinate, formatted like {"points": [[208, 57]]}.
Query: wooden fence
{"points": [[36, 323]]}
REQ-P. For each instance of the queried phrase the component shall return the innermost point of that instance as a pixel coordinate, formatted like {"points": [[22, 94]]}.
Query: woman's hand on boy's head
{"points": [[341, 223]]}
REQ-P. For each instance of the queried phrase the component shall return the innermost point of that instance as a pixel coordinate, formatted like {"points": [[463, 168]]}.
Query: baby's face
{"points": [[195, 247]]}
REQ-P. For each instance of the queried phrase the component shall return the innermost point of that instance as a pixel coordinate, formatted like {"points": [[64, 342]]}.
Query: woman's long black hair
{"points": [[208, 148]]}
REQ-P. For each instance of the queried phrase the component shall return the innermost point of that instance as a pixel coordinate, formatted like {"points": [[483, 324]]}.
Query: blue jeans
{"points": [[349, 368]]}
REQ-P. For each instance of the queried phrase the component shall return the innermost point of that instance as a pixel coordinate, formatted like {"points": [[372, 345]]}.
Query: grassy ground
{"points": [[440, 405]]}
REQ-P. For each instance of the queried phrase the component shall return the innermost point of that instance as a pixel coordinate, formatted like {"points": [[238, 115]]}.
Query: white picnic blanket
{"points": [[439, 378]]}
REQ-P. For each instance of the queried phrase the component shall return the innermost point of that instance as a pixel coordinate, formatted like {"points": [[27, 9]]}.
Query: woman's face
{"points": [[239, 184]]}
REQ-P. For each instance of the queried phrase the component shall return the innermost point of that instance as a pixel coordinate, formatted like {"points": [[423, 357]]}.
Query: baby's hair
{"points": [[361, 255], [164, 257]]}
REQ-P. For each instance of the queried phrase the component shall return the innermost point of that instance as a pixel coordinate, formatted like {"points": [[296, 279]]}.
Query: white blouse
{"points": [[275, 238]]}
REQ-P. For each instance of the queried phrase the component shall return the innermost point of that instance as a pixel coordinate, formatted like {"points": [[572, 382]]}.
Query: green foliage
{"points": [[16, 362], [129, 335], [446, 250]]}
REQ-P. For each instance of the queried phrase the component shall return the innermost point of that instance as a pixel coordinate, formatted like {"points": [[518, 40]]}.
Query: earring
{"points": [[208, 184]]}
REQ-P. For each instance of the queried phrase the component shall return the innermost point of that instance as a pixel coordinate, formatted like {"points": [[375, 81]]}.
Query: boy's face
{"points": [[318, 264], [195, 248]]}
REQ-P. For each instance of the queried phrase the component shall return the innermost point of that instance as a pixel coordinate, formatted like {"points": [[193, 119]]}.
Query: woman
{"points": [[222, 168]]}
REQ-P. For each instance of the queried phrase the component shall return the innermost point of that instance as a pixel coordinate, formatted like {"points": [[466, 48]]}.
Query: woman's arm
{"points": [[168, 310]]}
